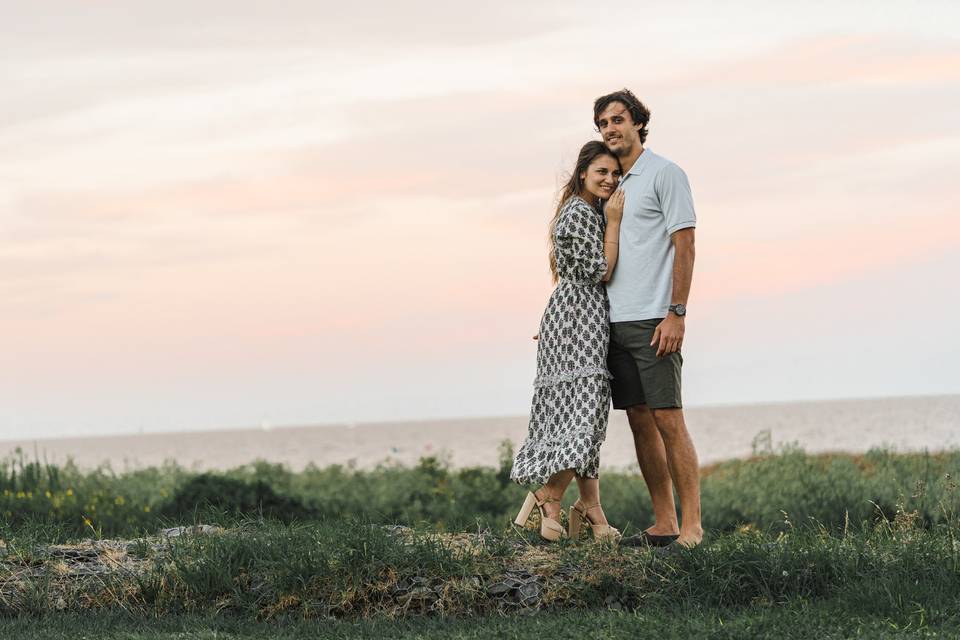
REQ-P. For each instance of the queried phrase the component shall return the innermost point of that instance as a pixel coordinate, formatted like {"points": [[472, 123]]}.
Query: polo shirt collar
{"points": [[638, 166]]}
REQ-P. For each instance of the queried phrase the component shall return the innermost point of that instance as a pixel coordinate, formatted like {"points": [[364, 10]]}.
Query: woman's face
{"points": [[601, 177]]}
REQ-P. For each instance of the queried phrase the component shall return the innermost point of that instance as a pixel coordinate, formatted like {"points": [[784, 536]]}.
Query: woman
{"points": [[571, 401]]}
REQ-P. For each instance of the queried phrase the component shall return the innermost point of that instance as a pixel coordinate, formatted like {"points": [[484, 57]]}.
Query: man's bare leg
{"points": [[652, 457], [681, 457]]}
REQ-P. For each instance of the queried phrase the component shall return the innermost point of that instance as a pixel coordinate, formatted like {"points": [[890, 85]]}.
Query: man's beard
{"points": [[623, 150]]}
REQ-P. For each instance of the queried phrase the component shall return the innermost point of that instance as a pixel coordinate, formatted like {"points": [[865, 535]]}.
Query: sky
{"points": [[228, 214]]}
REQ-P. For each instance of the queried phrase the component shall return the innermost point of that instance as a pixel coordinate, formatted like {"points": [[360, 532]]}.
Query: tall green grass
{"points": [[798, 621], [351, 568], [874, 534], [766, 492]]}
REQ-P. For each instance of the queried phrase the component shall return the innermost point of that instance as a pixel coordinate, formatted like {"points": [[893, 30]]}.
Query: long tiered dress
{"points": [[571, 400]]}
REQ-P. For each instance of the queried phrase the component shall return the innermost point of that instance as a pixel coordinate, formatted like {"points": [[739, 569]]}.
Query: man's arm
{"points": [[682, 265], [669, 333]]}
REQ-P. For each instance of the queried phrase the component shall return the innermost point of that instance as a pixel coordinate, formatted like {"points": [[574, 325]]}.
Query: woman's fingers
{"points": [[615, 204], [617, 199]]}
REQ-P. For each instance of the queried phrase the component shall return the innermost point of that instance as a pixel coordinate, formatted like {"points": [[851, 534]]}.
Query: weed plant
{"points": [[874, 534], [354, 569], [766, 492]]}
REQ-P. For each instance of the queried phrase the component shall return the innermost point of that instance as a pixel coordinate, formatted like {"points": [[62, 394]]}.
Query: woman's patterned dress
{"points": [[571, 400]]}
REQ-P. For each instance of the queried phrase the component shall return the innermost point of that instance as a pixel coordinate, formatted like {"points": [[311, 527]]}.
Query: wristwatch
{"points": [[679, 309]]}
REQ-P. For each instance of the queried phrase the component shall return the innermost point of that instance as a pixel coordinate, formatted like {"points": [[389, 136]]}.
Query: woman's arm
{"points": [[611, 249], [611, 235]]}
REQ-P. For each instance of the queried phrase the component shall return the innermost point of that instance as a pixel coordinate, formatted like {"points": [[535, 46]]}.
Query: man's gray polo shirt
{"points": [[657, 202]]}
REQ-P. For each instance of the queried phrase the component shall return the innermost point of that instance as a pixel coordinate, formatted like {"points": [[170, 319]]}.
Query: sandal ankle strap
{"points": [[542, 501]]}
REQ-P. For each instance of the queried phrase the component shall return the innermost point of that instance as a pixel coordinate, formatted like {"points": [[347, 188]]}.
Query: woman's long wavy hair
{"points": [[574, 187]]}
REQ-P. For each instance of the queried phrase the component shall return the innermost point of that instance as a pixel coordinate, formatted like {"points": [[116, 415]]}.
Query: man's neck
{"points": [[627, 162]]}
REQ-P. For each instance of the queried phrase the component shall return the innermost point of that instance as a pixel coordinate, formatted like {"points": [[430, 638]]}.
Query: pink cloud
{"points": [[832, 59], [778, 266]]}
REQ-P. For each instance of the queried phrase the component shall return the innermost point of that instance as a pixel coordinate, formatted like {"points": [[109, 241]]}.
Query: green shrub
{"points": [[232, 496], [767, 492]]}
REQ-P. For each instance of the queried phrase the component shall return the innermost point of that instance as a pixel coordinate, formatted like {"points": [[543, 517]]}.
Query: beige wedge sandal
{"points": [[550, 529], [580, 513]]}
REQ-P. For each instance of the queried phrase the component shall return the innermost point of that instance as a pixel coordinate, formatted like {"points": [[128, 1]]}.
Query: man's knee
{"points": [[669, 422], [640, 419]]}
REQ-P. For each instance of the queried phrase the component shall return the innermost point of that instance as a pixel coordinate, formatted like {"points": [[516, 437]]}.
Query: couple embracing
{"points": [[621, 255]]}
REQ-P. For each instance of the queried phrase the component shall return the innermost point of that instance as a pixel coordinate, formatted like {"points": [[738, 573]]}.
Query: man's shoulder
{"points": [[667, 174], [660, 163]]}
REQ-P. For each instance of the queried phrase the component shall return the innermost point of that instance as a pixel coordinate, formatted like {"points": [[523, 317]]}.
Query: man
{"points": [[648, 298]]}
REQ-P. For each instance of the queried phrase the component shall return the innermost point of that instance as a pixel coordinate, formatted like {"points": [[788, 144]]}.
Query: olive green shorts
{"points": [[639, 376]]}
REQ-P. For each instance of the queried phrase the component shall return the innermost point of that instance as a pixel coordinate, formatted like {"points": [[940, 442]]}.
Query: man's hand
{"points": [[669, 335]]}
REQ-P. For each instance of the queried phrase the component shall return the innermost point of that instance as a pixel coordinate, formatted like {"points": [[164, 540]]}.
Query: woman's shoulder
{"points": [[576, 207], [575, 202]]}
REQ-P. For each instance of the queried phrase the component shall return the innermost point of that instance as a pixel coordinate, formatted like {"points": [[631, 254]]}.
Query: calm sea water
{"points": [[719, 433]]}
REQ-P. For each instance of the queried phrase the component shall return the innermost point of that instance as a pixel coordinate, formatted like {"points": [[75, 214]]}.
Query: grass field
{"points": [[768, 492], [821, 621], [797, 546]]}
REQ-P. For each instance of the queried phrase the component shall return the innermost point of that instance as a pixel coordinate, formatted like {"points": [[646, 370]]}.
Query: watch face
{"points": [[679, 309]]}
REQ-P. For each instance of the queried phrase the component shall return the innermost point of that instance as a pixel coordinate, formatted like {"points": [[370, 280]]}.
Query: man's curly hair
{"points": [[638, 111]]}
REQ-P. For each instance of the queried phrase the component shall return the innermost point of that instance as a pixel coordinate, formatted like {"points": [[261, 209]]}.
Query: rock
{"points": [[73, 554], [95, 570], [418, 594], [137, 547], [200, 529], [529, 595], [397, 529]]}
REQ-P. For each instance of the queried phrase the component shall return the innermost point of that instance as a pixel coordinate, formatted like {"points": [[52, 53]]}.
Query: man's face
{"points": [[619, 132]]}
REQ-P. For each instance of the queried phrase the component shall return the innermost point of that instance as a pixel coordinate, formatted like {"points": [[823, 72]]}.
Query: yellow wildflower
{"points": [[69, 491]]}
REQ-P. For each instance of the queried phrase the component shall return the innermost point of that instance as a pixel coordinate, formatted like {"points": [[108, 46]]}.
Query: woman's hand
{"points": [[613, 210], [536, 337]]}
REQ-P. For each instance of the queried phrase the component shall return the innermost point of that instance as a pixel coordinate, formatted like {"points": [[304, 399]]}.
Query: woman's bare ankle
{"points": [[551, 503], [597, 516]]}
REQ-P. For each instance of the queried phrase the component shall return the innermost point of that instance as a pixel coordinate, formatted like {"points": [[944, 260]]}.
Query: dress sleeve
{"points": [[579, 238]]}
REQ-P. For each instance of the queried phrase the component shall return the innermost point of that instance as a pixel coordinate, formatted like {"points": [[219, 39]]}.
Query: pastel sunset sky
{"points": [[223, 214]]}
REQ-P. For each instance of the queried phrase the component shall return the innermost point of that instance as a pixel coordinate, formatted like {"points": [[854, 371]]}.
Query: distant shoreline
{"points": [[721, 432], [352, 424]]}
